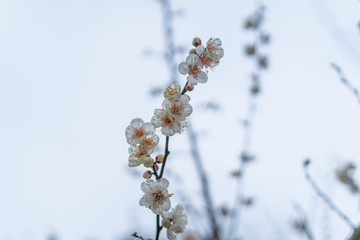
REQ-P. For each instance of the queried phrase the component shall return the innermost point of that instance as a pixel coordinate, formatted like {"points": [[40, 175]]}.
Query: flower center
{"points": [[139, 132], [175, 109], [158, 196], [166, 121], [148, 141]]}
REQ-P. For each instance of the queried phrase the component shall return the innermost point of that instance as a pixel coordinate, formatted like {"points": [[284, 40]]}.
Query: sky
{"points": [[73, 74]]}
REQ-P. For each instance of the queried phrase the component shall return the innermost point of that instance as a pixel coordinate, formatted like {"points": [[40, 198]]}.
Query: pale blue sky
{"points": [[73, 75]]}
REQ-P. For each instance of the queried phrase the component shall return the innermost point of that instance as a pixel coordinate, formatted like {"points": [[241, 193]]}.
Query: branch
{"points": [[345, 81], [356, 234], [325, 197], [204, 182]]}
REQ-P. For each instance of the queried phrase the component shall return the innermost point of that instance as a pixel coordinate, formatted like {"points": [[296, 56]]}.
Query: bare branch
{"points": [[204, 182], [345, 81], [325, 197]]}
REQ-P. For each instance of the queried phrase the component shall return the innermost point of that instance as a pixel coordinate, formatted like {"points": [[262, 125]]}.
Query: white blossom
{"points": [[138, 155], [137, 131], [192, 67], [211, 55], [172, 92], [150, 141], [179, 108], [168, 123], [175, 221], [156, 195]]}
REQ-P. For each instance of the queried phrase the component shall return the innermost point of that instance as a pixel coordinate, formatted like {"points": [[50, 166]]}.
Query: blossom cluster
{"points": [[171, 118], [142, 139], [175, 108], [201, 57]]}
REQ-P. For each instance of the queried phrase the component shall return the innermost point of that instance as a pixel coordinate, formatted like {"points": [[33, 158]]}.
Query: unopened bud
{"points": [[196, 42], [192, 51], [189, 88], [147, 174], [159, 158], [166, 222], [148, 162]]}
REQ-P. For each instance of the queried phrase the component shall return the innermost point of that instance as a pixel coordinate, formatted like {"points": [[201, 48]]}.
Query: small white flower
{"points": [[175, 221], [172, 92], [156, 195], [168, 123], [192, 67], [214, 50], [179, 108], [150, 141], [138, 155], [210, 56], [137, 131]]}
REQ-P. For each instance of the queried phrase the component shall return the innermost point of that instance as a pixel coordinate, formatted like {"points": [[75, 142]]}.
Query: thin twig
{"points": [[158, 227], [325, 197], [345, 81], [170, 52], [305, 228], [204, 182]]}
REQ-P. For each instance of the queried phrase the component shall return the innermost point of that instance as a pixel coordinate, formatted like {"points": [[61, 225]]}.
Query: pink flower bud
{"points": [[196, 42], [189, 88], [148, 162], [147, 174], [159, 158], [156, 166]]}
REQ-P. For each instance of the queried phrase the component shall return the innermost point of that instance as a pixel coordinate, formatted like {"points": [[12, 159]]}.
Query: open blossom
{"points": [[168, 123], [137, 131], [192, 67], [156, 195], [210, 55], [139, 155], [150, 141], [175, 221], [172, 92], [178, 108]]}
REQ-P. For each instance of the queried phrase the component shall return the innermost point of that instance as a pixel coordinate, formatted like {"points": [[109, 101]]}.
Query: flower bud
{"points": [[196, 42], [148, 162], [159, 158], [192, 51], [189, 88], [147, 174], [166, 222]]}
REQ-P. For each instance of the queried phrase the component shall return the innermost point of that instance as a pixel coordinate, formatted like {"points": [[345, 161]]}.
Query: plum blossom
{"points": [[172, 92], [156, 195], [175, 221], [150, 141], [179, 108], [210, 55], [192, 67], [137, 131], [168, 123], [139, 155]]}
